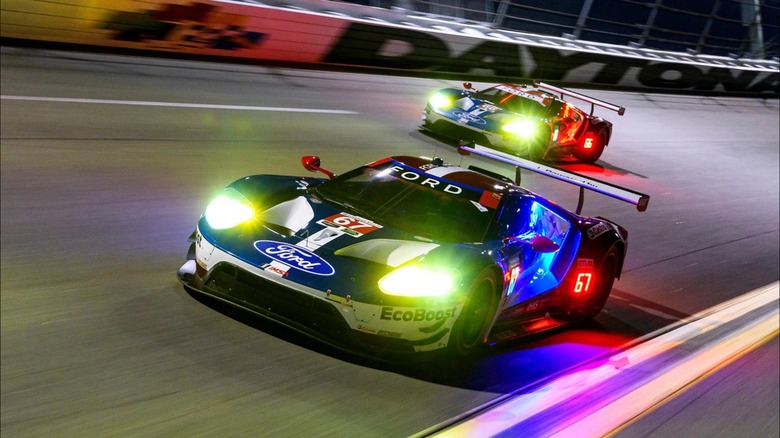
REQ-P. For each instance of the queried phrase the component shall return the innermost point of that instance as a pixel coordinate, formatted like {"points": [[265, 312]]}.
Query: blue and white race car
{"points": [[528, 121], [406, 254]]}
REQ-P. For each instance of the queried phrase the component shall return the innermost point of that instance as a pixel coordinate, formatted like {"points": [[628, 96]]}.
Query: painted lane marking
{"points": [[175, 104], [502, 414]]}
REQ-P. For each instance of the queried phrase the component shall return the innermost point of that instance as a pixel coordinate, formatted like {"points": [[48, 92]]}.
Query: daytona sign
{"points": [[408, 49]]}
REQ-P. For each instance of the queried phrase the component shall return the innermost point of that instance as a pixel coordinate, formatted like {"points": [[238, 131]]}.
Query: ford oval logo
{"points": [[295, 257]]}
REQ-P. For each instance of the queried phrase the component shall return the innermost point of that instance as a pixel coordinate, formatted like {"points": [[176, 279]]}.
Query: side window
{"points": [[523, 216], [549, 224]]}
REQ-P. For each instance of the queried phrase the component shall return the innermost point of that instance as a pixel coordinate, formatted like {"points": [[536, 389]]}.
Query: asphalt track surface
{"points": [[100, 194]]}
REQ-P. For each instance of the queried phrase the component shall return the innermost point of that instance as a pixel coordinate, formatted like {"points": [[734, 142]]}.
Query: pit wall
{"points": [[363, 37]]}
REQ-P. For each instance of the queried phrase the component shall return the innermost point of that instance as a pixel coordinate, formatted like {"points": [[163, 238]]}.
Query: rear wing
{"points": [[592, 101], [639, 199]]}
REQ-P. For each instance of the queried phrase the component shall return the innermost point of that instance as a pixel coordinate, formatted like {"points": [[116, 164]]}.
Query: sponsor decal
{"points": [[194, 25], [425, 181], [295, 257], [488, 108], [521, 93], [480, 207], [532, 306], [470, 118], [406, 314], [429, 52], [585, 263], [597, 230], [490, 199], [352, 225], [276, 268]]}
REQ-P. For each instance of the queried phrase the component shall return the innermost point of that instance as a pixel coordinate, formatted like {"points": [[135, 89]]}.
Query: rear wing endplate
{"points": [[639, 199], [592, 101]]}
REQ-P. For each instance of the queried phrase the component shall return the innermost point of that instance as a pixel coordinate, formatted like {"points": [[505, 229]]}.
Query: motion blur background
{"points": [[740, 28]]}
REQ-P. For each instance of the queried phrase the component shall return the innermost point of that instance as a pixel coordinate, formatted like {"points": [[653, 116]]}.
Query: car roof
{"points": [[529, 92], [472, 176]]}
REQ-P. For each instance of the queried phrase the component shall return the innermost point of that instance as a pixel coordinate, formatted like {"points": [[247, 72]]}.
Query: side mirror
{"points": [[541, 243], [538, 243], [312, 164], [468, 86]]}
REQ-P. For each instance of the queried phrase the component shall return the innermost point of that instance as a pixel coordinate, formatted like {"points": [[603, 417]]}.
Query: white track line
{"points": [[175, 104]]}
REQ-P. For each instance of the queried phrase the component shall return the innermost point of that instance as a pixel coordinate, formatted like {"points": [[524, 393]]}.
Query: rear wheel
{"points": [[593, 153], [604, 281], [477, 314]]}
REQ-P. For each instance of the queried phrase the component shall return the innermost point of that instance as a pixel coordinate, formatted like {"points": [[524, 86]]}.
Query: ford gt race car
{"points": [[406, 254], [526, 121]]}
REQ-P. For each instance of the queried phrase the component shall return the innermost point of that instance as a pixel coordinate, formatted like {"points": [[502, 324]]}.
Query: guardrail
{"points": [[737, 28], [326, 34]]}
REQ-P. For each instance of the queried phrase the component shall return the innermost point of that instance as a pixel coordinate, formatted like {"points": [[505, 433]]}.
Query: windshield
{"points": [[513, 102], [412, 201]]}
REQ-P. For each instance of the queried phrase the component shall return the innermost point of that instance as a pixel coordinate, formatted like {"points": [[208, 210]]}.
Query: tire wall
{"points": [[249, 32]]}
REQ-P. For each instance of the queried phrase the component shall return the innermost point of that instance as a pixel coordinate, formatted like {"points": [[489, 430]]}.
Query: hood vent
{"points": [[388, 252]]}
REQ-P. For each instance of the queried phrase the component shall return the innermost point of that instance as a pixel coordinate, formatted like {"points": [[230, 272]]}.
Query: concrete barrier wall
{"points": [[363, 37]]}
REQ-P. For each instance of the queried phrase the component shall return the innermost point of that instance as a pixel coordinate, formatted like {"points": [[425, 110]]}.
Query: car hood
{"points": [[320, 244], [481, 114]]}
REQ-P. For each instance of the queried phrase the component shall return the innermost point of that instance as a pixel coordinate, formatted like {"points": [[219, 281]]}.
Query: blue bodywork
{"points": [[325, 241]]}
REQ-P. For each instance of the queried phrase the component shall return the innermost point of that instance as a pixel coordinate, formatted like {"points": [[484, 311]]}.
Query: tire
{"points": [[604, 281], [476, 317], [595, 152], [536, 153], [538, 150]]}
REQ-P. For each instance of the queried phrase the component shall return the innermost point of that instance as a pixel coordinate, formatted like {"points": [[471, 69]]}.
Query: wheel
{"points": [[604, 281], [536, 152], [592, 154], [477, 314]]}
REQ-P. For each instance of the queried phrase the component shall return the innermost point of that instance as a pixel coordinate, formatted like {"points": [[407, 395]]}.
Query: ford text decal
{"points": [[295, 257], [424, 180]]}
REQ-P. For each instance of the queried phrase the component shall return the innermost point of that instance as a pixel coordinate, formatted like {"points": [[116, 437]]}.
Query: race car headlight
{"points": [[416, 281], [521, 128], [228, 210], [440, 101]]}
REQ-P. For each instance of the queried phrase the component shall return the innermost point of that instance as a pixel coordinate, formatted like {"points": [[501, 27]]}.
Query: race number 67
{"points": [[583, 282]]}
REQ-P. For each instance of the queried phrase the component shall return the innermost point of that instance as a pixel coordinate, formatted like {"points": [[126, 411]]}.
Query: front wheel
{"points": [[476, 317]]}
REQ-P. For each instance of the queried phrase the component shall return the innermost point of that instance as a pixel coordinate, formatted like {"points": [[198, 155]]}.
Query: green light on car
{"points": [[228, 210], [440, 101], [416, 281], [521, 128]]}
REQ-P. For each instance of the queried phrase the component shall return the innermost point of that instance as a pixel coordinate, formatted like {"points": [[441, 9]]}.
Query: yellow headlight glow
{"points": [[415, 281], [521, 128], [440, 101], [227, 212]]}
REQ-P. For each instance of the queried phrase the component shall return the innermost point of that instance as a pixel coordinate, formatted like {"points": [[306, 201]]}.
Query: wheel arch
{"points": [[620, 246], [599, 125]]}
